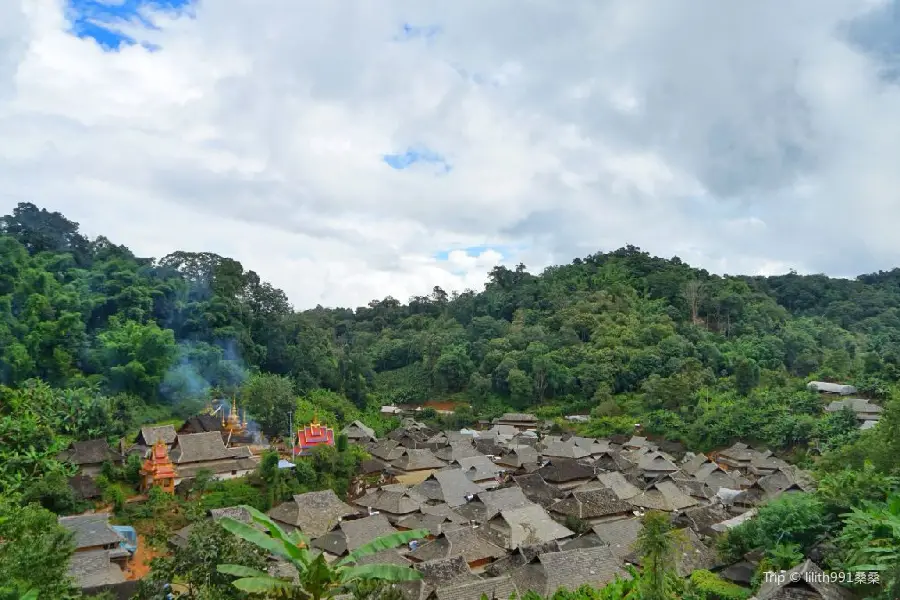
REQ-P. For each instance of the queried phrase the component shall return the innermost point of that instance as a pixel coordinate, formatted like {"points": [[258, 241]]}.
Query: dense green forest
{"points": [[95, 341]]}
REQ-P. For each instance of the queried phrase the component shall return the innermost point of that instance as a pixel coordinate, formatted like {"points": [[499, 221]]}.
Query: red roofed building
{"points": [[158, 470], [311, 436]]}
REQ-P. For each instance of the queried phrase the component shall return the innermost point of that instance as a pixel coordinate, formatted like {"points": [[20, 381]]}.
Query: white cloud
{"points": [[745, 137]]}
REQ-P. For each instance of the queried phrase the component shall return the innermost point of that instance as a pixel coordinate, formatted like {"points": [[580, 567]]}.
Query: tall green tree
{"points": [[271, 400], [657, 550], [34, 552]]}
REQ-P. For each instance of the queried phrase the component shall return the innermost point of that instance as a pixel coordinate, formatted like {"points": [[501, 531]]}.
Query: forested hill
{"points": [[615, 333]]}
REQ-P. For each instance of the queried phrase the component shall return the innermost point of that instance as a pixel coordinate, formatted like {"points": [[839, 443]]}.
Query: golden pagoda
{"points": [[233, 423]]}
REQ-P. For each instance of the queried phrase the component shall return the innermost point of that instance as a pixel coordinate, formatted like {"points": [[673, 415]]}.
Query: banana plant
{"points": [[316, 578]]}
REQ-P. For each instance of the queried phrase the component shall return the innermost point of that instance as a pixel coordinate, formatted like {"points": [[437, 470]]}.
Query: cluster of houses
{"points": [[509, 510], [867, 414]]}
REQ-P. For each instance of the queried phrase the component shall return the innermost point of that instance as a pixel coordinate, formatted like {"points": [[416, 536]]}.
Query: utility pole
{"points": [[291, 432]]}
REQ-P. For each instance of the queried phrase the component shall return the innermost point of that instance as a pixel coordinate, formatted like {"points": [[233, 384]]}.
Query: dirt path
{"points": [[139, 565]]}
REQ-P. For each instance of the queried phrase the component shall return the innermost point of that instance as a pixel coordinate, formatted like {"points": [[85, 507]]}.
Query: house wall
{"points": [[91, 470], [217, 476]]}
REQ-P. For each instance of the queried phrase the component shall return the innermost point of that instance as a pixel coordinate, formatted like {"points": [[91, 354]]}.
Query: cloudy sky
{"points": [[348, 150]]}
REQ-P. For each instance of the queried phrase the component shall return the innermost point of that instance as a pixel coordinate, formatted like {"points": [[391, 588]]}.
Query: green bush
{"points": [[712, 587]]}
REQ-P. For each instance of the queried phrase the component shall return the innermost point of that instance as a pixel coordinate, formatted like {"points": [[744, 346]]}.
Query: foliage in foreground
{"points": [[316, 578]]}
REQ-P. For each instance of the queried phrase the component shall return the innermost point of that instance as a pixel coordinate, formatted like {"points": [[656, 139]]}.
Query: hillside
{"points": [[611, 334], [96, 342]]}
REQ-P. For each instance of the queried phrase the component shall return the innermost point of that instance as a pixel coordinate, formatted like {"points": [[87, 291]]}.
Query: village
{"points": [[509, 506]]}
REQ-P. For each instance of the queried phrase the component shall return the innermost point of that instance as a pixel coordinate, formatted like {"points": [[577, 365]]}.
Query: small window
{"points": [[234, 472]]}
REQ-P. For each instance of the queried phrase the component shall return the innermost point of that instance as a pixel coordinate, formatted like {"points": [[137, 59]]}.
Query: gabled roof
{"points": [[831, 388], [455, 486], [519, 456], [569, 569], [362, 531], [91, 530], [314, 513], [805, 576], [201, 424], [620, 535], [462, 541], [562, 470], [417, 460], [496, 588], [663, 495], [199, 447], [479, 468], [92, 569], [564, 450], [458, 450], [518, 418], [521, 556], [394, 499], [351, 534], [149, 435], [387, 450], [358, 430], [435, 524], [501, 499], [537, 490], [656, 462], [89, 452], [617, 482], [592, 504], [531, 525], [691, 465]]}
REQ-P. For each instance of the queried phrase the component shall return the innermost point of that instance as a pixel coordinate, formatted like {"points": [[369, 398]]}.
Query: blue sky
{"points": [[100, 20], [420, 155]]}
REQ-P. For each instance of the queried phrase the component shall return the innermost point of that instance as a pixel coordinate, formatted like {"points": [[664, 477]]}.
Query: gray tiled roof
{"points": [[562, 470], [620, 535], [503, 499], [91, 530], [455, 486], [458, 450], [495, 588], [89, 452], [199, 447], [435, 524], [569, 569], [150, 434], [93, 569], [397, 500], [519, 456], [362, 531], [358, 430], [663, 495], [617, 482], [314, 513], [462, 541], [518, 418], [564, 450], [809, 577], [479, 467], [592, 504], [531, 525], [417, 460], [537, 490]]}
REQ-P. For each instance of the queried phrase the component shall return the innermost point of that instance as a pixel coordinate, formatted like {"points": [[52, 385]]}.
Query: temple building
{"points": [[314, 434], [158, 470]]}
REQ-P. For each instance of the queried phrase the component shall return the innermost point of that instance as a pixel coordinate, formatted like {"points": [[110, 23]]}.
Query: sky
{"points": [[350, 150]]}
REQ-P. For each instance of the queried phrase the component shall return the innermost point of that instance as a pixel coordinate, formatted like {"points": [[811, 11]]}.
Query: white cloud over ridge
{"points": [[742, 137]]}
